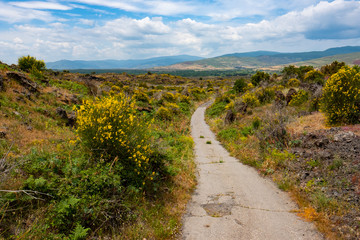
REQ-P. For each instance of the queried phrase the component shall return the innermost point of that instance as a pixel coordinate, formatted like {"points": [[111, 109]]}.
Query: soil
{"points": [[328, 161], [232, 201]]}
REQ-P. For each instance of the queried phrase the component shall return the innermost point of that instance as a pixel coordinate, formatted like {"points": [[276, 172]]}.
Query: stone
{"points": [[290, 95], [230, 117], [24, 81]]}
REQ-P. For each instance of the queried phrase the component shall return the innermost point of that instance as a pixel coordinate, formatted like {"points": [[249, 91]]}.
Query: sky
{"points": [[138, 29]]}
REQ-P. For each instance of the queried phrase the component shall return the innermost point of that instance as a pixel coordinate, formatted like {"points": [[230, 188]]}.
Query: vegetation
{"points": [[341, 97], [84, 158], [273, 131], [29, 63], [110, 155]]}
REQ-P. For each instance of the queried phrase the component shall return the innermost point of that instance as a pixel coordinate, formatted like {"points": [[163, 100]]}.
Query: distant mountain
{"points": [[260, 59], [120, 64], [251, 54]]}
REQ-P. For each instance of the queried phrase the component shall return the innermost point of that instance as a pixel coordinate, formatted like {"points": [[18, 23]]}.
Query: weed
{"points": [[208, 142], [201, 136]]}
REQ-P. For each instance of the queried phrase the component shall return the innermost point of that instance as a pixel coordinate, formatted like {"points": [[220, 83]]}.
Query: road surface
{"points": [[232, 201]]}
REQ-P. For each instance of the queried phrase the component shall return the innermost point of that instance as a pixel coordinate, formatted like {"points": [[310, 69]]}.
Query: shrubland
{"points": [[298, 129], [94, 156]]}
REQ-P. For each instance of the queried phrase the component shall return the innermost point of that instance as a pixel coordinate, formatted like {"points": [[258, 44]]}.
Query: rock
{"points": [[3, 134], [240, 107], [145, 109], [24, 81], [69, 118], [230, 117], [279, 96], [290, 95], [344, 136], [61, 112], [2, 87]]}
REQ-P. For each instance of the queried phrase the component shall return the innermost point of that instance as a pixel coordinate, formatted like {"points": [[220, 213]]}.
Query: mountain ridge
{"points": [[118, 64]]}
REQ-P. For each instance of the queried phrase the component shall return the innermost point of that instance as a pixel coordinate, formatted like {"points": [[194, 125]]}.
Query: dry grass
{"points": [[309, 123]]}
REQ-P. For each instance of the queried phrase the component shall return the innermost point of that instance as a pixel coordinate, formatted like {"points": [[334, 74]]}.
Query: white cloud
{"points": [[41, 5], [319, 26], [13, 14]]}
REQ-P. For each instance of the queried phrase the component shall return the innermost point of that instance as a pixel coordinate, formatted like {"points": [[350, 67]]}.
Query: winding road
{"points": [[232, 201]]}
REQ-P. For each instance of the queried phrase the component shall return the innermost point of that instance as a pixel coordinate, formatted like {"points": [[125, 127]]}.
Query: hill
{"points": [[124, 64], [263, 59]]}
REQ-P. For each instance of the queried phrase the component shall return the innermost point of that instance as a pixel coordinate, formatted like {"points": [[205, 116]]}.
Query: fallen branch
{"points": [[29, 193]]}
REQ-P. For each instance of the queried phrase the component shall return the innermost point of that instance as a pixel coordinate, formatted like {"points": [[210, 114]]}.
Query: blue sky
{"points": [[107, 29]]}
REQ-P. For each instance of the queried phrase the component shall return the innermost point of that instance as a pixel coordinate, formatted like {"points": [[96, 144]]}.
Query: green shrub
{"points": [[164, 113], [240, 85], [341, 96], [258, 77], [28, 63], [216, 109]]}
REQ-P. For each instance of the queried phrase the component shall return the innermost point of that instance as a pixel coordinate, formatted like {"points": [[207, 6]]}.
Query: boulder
{"points": [[230, 117], [240, 107], [290, 95], [24, 81]]}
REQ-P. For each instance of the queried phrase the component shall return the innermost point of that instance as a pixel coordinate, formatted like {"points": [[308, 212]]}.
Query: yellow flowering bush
{"points": [[164, 113], [168, 97], [111, 130], [299, 98], [293, 82], [250, 99], [141, 96], [341, 96]]}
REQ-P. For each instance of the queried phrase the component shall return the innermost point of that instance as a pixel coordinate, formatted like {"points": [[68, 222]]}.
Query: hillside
{"points": [[263, 59], [62, 177], [120, 64]]}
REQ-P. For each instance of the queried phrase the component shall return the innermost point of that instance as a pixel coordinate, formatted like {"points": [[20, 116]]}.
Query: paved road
{"points": [[232, 201]]}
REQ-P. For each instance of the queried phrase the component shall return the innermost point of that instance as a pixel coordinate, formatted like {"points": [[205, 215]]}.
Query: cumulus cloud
{"points": [[334, 23]]}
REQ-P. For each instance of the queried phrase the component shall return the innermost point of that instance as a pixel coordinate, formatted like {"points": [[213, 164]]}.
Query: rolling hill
{"points": [[120, 64], [264, 59]]}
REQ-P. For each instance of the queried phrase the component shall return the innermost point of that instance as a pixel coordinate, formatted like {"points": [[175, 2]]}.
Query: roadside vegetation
{"points": [[300, 128], [94, 156]]}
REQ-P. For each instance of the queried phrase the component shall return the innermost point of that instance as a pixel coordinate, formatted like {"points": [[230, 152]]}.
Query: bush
{"points": [[341, 96], [28, 63], [258, 77], [164, 113], [314, 76], [169, 97], [250, 99], [112, 131], [299, 98], [293, 82], [240, 85]]}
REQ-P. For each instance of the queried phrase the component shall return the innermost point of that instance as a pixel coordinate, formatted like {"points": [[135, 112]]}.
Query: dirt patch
{"points": [[328, 170]]}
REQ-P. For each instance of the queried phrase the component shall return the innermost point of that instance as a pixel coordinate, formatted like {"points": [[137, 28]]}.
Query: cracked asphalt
{"points": [[232, 201]]}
